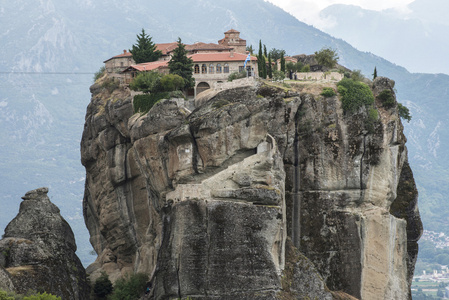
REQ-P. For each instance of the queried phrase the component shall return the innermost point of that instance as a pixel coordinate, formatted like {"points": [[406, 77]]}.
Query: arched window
{"points": [[226, 68], [197, 69], [218, 68], [211, 69], [204, 69]]}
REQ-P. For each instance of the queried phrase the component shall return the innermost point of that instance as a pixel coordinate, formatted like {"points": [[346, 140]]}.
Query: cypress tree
{"points": [[259, 60], [282, 62], [182, 65], [145, 50], [269, 67], [375, 73]]}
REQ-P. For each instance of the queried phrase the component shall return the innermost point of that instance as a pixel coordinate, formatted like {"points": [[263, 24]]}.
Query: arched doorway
{"points": [[201, 87]]}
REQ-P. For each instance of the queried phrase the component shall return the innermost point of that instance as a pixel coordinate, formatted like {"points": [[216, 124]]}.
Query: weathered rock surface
{"points": [[38, 250], [205, 201]]}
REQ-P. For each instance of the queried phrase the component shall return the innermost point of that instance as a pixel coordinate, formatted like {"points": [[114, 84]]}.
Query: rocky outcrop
{"points": [[205, 201], [38, 250]]}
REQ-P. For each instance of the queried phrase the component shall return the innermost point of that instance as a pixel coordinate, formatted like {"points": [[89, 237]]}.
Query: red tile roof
{"points": [[204, 46], [124, 54], [220, 57], [232, 31], [166, 47], [150, 66]]}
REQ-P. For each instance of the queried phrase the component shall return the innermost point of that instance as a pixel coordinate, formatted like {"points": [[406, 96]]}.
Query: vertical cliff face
{"points": [[207, 202], [37, 251]]}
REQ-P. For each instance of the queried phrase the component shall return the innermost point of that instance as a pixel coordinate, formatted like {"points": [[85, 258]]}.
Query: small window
{"points": [[121, 64], [218, 68], [211, 69], [226, 68], [197, 69], [203, 69], [241, 69]]}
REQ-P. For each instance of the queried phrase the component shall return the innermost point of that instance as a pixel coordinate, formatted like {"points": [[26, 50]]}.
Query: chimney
{"points": [[232, 52], [124, 51]]}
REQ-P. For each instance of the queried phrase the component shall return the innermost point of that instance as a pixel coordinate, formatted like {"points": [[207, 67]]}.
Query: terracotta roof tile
{"points": [[219, 57], [124, 54], [148, 66]]}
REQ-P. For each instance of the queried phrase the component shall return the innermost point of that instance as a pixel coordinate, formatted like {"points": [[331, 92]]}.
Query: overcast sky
{"points": [[308, 10]]}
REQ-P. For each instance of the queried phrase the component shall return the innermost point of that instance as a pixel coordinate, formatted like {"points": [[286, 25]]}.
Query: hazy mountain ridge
{"points": [[42, 115]]}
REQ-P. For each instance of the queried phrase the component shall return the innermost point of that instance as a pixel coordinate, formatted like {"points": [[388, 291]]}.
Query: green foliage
{"points": [[387, 98], [145, 50], [131, 288], [4, 296], [30, 296], [110, 84], [99, 73], [236, 75], [305, 68], [154, 82], [375, 73], [102, 286], [260, 60], [250, 49], [143, 103], [147, 82], [171, 82], [328, 92], [357, 75], [182, 65], [276, 54], [373, 116], [269, 67], [354, 94], [282, 62], [327, 57], [43, 296], [278, 76], [404, 112]]}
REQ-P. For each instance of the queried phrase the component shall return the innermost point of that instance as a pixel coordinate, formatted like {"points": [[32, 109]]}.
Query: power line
{"points": [[49, 73]]}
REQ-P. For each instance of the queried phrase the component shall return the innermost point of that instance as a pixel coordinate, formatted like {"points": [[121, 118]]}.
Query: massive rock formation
{"points": [[208, 201], [37, 251]]}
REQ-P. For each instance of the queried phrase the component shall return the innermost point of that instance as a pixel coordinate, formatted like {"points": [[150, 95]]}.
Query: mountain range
{"points": [[52, 48], [412, 37]]}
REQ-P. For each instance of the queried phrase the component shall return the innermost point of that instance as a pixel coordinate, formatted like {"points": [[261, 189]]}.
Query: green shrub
{"points": [[131, 288], [110, 84], [143, 103], [43, 296], [387, 98], [171, 82], [236, 75], [354, 94], [99, 73], [278, 76], [357, 75], [305, 68], [146, 82], [5, 296], [328, 92], [373, 116], [404, 112], [102, 286]]}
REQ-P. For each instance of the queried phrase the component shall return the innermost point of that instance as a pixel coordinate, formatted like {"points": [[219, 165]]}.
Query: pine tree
{"points": [[182, 65], [145, 50], [375, 73]]}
